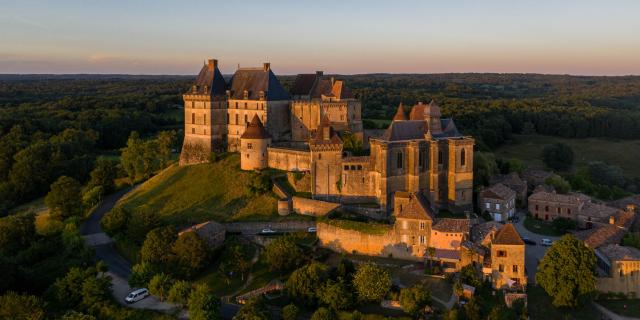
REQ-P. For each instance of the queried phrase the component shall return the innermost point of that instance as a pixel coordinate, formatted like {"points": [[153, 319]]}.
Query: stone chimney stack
{"points": [[212, 64], [319, 73], [266, 66]]}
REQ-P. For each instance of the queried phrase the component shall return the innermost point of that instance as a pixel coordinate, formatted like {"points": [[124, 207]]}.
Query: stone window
{"points": [[236, 104], [440, 157], [558, 210], [537, 207], [421, 225], [501, 253], [227, 118], [247, 156], [236, 118], [420, 159], [515, 268], [193, 118], [346, 168], [246, 106], [193, 130], [568, 211], [463, 160], [501, 268], [423, 240], [204, 119], [359, 167], [249, 145], [497, 206], [546, 208], [487, 205], [246, 119], [399, 160]]}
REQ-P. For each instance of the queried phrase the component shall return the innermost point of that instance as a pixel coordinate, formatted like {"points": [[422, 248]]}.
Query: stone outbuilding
{"points": [[499, 201]]}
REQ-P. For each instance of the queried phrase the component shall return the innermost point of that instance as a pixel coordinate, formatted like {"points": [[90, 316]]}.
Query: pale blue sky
{"points": [[174, 37]]}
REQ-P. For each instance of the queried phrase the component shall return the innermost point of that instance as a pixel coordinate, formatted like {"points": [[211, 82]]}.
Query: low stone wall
{"points": [[371, 212], [301, 185], [289, 159], [357, 242], [279, 226], [312, 207], [627, 285]]}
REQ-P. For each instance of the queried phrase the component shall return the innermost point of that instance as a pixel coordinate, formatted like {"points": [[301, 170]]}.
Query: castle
{"points": [[303, 130]]}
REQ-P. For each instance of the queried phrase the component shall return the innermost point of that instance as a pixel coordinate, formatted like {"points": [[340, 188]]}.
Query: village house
{"points": [[499, 201], [507, 258], [515, 183]]}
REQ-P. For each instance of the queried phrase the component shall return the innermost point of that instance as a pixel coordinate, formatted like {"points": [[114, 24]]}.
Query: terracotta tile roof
{"points": [[340, 90], [625, 218], [420, 110], [209, 81], [498, 191], [508, 235], [615, 252], [255, 130], [319, 137], [417, 208], [401, 115], [601, 235], [254, 80], [452, 225], [597, 211], [512, 181], [568, 199]]}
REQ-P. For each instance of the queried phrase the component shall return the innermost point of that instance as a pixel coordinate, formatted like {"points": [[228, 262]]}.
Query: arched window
{"points": [[463, 158], [440, 157], [399, 160]]}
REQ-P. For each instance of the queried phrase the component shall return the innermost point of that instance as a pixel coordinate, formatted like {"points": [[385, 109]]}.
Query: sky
{"points": [[174, 37]]}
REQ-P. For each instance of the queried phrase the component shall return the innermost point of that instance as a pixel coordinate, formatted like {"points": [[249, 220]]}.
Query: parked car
{"points": [[546, 242], [267, 231], [529, 241], [137, 295], [312, 229]]}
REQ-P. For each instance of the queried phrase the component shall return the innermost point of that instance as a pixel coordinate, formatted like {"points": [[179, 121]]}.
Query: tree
{"points": [[74, 315], [103, 175], [558, 156], [484, 167], [304, 282], [166, 141], [472, 310], [561, 185], [469, 275], [65, 198], [16, 232], [67, 291], [566, 272], [179, 292], [159, 285], [290, 312], [282, 254], [202, 305], [190, 252], [234, 261], [141, 274], [95, 289], [254, 309], [336, 295], [115, 221], [17, 306], [157, 245], [609, 175], [324, 314], [143, 220], [414, 300], [371, 282]]}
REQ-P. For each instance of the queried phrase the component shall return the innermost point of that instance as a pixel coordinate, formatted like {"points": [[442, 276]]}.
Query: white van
{"points": [[137, 295]]}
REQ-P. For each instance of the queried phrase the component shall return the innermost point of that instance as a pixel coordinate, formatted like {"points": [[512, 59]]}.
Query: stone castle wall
{"points": [[303, 184], [628, 282], [312, 207], [288, 159]]}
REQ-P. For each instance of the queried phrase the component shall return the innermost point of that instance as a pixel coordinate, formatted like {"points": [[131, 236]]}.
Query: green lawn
{"points": [[632, 308], [528, 148], [540, 307], [192, 194], [540, 227]]}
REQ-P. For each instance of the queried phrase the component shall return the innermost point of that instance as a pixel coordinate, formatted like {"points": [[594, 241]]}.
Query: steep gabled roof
{"points": [[320, 138], [498, 191], [209, 81], [615, 252], [452, 225], [508, 235], [255, 80], [304, 84], [401, 115], [339, 90], [601, 235], [405, 130], [255, 130], [417, 208]]}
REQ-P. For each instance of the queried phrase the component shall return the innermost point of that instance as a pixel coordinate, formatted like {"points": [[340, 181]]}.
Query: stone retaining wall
{"points": [[312, 207]]}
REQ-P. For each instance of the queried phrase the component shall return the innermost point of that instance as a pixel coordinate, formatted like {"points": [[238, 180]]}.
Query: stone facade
{"points": [[499, 201], [620, 270], [507, 258], [576, 206]]}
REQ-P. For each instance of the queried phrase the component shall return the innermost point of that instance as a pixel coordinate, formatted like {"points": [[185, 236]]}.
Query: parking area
{"points": [[533, 253]]}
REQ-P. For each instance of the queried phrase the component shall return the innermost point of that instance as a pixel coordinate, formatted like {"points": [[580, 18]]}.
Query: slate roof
{"points": [[601, 235], [498, 191], [417, 208], [615, 252], [452, 225], [211, 78], [508, 235], [405, 130], [625, 218], [255, 130], [480, 231], [303, 84], [255, 80], [447, 254]]}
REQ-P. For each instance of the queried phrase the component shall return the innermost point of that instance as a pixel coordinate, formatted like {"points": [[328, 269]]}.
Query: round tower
{"points": [[253, 146]]}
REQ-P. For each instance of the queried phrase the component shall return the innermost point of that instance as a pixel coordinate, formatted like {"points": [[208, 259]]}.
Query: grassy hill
{"points": [[192, 194], [528, 148]]}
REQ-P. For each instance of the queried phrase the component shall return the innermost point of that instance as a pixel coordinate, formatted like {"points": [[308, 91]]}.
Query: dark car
{"points": [[529, 241]]}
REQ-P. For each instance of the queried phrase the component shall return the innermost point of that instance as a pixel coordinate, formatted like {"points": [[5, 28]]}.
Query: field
{"points": [[192, 194], [528, 148]]}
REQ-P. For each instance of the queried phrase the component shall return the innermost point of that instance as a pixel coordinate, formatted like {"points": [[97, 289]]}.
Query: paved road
{"points": [[533, 254], [120, 268]]}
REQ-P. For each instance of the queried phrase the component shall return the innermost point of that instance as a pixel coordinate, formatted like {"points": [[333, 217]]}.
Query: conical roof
{"points": [[400, 114], [255, 130]]}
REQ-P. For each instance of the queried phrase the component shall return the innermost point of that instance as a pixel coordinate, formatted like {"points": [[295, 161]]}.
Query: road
{"points": [[533, 254], [119, 267]]}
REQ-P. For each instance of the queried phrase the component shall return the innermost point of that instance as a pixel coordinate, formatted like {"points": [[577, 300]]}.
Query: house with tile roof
{"points": [[499, 201], [508, 258], [515, 183]]}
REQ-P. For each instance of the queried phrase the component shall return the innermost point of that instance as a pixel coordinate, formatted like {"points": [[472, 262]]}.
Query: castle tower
{"points": [[204, 115], [253, 146], [400, 114], [326, 158]]}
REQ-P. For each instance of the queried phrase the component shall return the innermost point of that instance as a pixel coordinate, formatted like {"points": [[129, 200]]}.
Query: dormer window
{"points": [[261, 95], [194, 88], [246, 94]]}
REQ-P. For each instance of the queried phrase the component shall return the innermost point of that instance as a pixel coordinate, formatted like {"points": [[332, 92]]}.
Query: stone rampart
{"points": [[312, 207], [288, 159]]}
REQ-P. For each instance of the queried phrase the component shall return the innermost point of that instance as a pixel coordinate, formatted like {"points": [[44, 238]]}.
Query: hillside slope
{"points": [[192, 194]]}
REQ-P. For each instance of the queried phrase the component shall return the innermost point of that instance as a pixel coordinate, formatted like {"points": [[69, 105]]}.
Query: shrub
{"points": [[159, 285], [290, 312], [563, 225], [115, 221], [282, 254], [324, 314], [372, 283], [179, 292], [141, 274]]}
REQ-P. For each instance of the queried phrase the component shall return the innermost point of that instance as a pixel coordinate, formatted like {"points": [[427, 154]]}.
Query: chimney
{"points": [[612, 220], [212, 64], [631, 207], [266, 66], [319, 73]]}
